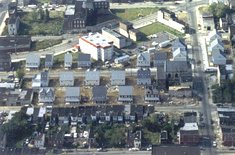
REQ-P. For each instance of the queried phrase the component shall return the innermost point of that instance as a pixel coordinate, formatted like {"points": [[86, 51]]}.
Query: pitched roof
{"points": [[160, 56], [12, 19], [218, 54], [214, 32], [69, 75], [177, 66], [161, 75], [72, 91], [146, 56], [179, 41], [144, 73], [12, 41], [99, 92], [68, 58], [125, 90], [44, 75], [216, 42], [84, 57], [178, 51], [48, 58], [32, 58], [118, 75], [92, 75]]}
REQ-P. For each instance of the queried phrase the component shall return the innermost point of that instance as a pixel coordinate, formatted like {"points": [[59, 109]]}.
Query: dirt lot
{"points": [[183, 16]]}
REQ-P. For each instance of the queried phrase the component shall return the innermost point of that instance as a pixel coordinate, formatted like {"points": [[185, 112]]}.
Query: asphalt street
{"points": [[198, 73], [3, 9]]}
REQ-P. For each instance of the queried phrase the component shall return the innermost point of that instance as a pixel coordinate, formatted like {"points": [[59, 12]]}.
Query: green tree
{"points": [[42, 14], [219, 10], [17, 127], [47, 16], [20, 73]]}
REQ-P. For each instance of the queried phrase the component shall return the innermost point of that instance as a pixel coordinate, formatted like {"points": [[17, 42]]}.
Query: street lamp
{"points": [[15, 48]]}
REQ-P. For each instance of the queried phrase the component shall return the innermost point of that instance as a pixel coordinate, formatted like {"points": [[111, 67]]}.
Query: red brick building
{"points": [[189, 134], [228, 136], [14, 44]]}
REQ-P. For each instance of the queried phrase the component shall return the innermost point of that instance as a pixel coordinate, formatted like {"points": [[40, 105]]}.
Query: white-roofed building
{"points": [[98, 46], [92, 77]]}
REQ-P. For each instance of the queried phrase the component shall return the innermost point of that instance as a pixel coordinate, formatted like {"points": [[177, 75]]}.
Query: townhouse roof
{"points": [[176, 88], [32, 58], [57, 136], [218, 54], [84, 57], [48, 58], [46, 90], [177, 66], [118, 75], [134, 31], [146, 56], [92, 75], [144, 73], [99, 92], [161, 75], [190, 119], [216, 42], [179, 41], [154, 89], [189, 132], [14, 41], [72, 91], [125, 90], [178, 51], [44, 75], [68, 58], [215, 32], [66, 76], [13, 19], [112, 32], [126, 23], [80, 11], [207, 15], [40, 136], [160, 56]]}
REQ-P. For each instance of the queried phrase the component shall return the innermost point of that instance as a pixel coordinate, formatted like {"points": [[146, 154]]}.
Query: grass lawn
{"points": [[131, 14], [31, 24], [158, 27], [60, 58], [45, 44]]}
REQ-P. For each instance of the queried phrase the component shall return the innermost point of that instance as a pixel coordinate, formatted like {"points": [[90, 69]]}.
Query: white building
{"points": [[98, 46], [13, 25]]}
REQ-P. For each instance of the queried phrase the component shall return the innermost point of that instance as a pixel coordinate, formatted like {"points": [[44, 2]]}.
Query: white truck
{"points": [[151, 50], [165, 43]]}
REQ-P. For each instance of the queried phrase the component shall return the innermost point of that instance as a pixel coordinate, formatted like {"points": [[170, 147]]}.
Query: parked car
{"points": [[99, 149], [214, 144]]}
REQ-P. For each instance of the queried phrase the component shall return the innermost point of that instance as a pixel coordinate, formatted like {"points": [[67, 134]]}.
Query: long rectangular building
{"points": [[98, 46]]}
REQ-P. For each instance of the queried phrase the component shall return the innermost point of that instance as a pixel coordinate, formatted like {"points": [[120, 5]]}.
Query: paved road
{"points": [[113, 153], [198, 73], [3, 11]]}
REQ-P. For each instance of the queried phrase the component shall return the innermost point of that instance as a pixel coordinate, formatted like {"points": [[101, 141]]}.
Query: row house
{"points": [[99, 95], [180, 91], [84, 60], [125, 94], [73, 95], [143, 60], [46, 95], [66, 78], [68, 61], [144, 76], [92, 78], [49, 61], [151, 94], [5, 62], [118, 77], [32, 62]]}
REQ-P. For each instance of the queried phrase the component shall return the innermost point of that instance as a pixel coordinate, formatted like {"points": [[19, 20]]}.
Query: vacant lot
{"points": [[133, 13], [37, 45], [158, 27], [32, 24]]}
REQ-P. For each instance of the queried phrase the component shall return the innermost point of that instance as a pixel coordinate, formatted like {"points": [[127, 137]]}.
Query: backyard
{"points": [[158, 27], [37, 45], [133, 13]]}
